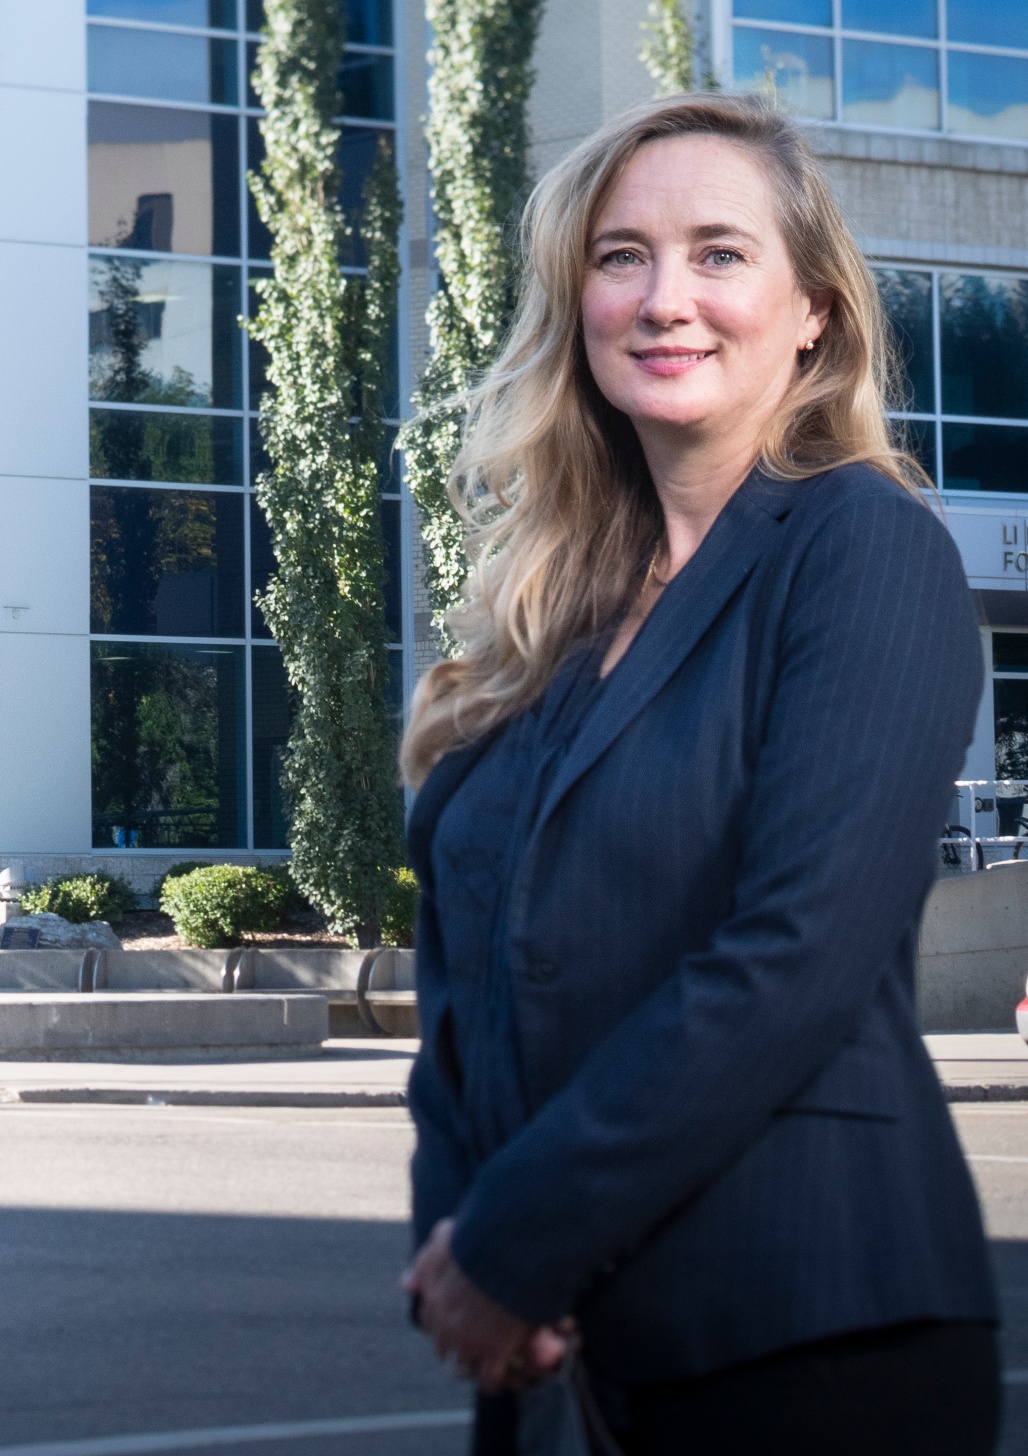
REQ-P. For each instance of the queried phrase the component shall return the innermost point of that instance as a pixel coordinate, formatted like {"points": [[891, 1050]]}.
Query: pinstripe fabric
{"points": [[737, 1142]]}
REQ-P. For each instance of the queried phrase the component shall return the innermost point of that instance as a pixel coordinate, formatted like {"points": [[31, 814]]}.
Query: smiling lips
{"points": [[670, 361]]}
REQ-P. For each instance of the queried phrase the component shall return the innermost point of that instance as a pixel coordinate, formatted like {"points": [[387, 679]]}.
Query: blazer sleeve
{"points": [[441, 1167], [878, 676]]}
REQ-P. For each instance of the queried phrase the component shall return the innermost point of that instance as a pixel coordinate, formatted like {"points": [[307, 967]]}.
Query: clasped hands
{"points": [[490, 1346]]}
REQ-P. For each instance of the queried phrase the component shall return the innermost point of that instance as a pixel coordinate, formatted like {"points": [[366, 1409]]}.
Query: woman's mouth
{"points": [[670, 361]]}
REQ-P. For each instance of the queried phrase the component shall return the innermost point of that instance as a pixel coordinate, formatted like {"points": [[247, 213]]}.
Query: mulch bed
{"points": [[152, 930]]}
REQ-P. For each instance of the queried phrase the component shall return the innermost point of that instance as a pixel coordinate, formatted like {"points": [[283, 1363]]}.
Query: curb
{"points": [[988, 1092], [190, 1097]]}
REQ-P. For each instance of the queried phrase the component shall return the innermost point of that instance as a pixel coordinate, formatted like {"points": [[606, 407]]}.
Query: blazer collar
{"points": [[740, 535]]}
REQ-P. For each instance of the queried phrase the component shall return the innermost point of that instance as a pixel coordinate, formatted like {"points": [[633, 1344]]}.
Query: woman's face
{"points": [[691, 315]]}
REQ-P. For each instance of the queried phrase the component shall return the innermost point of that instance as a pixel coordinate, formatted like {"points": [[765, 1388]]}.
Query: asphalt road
{"points": [[167, 1269]]}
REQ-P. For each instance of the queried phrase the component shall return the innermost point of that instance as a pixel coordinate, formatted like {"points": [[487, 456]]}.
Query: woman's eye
{"points": [[723, 257], [620, 257]]}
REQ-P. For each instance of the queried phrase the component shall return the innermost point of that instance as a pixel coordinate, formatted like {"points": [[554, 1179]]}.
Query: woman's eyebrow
{"points": [[704, 233], [618, 235]]}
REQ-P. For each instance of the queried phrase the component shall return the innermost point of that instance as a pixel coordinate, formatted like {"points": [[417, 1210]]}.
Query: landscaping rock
{"points": [[56, 933]]}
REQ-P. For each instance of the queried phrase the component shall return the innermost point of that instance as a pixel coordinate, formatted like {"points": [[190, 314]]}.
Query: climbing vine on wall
{"points": [[477, 137], [668, 50], [326, 336]]}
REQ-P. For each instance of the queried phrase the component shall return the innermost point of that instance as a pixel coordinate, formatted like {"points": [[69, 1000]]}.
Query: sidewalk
{"points": [[367, 1072]]}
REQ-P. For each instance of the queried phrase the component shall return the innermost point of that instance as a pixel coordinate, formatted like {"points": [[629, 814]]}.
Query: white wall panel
{"points": [[44, 732], [44, 345], [44, 571], [43, 43], [42, 166]]}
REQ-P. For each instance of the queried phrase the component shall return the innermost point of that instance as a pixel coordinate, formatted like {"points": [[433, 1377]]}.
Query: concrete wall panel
{"points": [[44, 584], [44, 352], [43, 43], [44, 710], [43, 176]]}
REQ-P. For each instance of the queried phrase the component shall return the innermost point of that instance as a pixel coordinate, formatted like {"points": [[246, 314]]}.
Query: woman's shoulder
{"points": [[858, 502]]}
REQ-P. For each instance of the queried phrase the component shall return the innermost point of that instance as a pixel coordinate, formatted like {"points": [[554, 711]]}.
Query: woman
{"points": [[677, 821]]}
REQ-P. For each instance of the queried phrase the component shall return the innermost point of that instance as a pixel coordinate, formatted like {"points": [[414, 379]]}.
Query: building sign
{"points": [[993, 547]]}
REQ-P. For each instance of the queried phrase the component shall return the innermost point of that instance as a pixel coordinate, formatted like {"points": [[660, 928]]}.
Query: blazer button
{"points": [[540, 972]]}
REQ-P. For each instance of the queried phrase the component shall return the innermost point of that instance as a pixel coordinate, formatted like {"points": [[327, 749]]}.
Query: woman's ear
{"points": [[819, 306]]}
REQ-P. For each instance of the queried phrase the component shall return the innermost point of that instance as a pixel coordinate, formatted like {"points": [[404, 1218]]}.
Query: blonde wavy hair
{"points": [[551, 479]]}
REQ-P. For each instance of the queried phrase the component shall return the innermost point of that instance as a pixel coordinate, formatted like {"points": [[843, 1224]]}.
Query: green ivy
{"points": [[477, 140], [327, 338], [668, 51]]}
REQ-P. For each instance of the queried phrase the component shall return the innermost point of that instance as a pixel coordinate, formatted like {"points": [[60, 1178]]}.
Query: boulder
{"points": [[56, 933]]}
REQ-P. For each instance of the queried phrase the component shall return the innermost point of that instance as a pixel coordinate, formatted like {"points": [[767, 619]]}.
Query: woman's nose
{"points": [[670, 297]]}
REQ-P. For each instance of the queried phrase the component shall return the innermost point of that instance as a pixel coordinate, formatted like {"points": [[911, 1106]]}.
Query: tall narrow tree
{"points": [[668, 50], [477, 137], [326, 337]]}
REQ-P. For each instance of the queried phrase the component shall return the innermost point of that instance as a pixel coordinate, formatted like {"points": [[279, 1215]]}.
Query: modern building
{"points": [[143, 708]]}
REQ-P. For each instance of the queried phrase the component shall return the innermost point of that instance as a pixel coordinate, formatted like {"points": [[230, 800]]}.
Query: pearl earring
{"points": [[809, 345]]}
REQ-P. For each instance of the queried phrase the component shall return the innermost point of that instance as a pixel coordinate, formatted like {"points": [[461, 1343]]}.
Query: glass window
{"points": [[254, 14], [258, 353], [389, 514], [366, 83], [1010, 704], [1010, 651], [215, 14], [357, 145], [795, 12], [985, 457], [191, 449], [988, 95], [798, 66], [918, 438], [912, 17], [368, 22], [984, 332], [391, 465], [163, 180], [128, 62], [168, 746], [166, 563], [258, 236], [260, 460], [273, 707], [907, 298], [263, 565], [165, 332], [999, 23], [890, 85]]}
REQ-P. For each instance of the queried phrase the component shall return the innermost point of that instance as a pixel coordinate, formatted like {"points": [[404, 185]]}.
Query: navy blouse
{"points": [[478, 843]]}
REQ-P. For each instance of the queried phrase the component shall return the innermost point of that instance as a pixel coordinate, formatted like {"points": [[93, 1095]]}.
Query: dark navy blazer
{"points": [[735, 1138]]}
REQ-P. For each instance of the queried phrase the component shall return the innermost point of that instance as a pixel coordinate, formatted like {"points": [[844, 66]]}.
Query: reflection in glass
{"points": [[1010, 702], [162, 179], [258, 237], [215, 14], [164, 332], [260, 461], [389, 515], [356, 154], [907, 297], [890, 85], [165, 563], [263, 565], [192, 449], [258, 353], [796, 12], [999, 23], [913, 17], [366, 83], [984, 328], [273, 707], [985, 457], [124, 62], [798, 67], [1010, 651], [368, 22], [168, 746], [988, 95]]}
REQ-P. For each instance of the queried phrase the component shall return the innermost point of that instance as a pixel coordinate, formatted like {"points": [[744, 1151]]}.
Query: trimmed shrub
{"points": [[401, 909], [81, 898], [183, 867], [218, 905]]}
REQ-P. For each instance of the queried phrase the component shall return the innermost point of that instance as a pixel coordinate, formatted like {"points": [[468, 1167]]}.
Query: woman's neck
{"points": [[693, 485]]}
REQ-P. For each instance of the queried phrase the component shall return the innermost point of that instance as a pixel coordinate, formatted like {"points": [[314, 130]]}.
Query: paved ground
{"points": [[166, 1269]]}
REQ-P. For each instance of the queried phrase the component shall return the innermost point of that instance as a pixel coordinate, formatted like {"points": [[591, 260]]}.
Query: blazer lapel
{"points": [[432, 797], [686, 608]]}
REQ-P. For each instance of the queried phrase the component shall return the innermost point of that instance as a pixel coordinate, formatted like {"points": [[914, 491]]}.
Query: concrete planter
{"points": [[973, 950]]}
